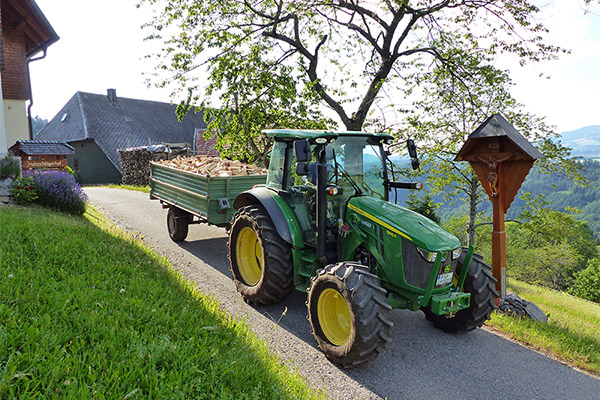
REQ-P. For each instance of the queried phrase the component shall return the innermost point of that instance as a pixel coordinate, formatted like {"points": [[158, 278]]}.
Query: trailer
{"points": [[193, 198]]}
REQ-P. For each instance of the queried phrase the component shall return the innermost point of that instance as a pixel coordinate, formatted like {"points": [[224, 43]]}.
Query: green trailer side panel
{"points": [[200, 194]]}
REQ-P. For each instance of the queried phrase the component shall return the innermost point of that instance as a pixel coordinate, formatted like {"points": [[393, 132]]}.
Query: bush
{"points": [[10, 167], [58, 190], [587, 282], [23, 191]]}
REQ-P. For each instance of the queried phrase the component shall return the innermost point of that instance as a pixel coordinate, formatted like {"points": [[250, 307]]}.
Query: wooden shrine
{"points": [[501, 157]]}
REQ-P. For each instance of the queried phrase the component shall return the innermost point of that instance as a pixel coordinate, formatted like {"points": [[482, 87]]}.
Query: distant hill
{"points": [[585, 142]]}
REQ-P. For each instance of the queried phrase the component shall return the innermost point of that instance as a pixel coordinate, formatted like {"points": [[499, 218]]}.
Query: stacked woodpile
{"points": [[213, 166], [135, 166]]}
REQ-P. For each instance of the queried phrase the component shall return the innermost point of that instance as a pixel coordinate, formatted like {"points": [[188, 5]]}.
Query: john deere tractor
{"points": [[324, 224]]}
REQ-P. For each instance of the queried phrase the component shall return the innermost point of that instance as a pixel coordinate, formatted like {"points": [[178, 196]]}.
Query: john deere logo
{"points": [[447, 268], [366, 223]]}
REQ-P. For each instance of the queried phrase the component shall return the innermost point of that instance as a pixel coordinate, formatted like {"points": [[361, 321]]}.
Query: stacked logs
{"points": [[213, 166], [135, 166]]}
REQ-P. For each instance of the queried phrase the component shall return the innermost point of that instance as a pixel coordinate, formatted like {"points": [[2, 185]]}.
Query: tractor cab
{"points": [[317, 173]]}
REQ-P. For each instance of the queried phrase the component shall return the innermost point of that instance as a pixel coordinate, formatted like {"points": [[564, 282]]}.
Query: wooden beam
{"points": [[23, 16]]}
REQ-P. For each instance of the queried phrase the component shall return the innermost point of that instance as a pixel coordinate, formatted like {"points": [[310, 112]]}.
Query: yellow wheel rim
{"points": [[249, 256], [334, 316]]}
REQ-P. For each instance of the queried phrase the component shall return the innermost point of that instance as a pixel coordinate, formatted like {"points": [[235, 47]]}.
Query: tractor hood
{"points": [[406, 223]]}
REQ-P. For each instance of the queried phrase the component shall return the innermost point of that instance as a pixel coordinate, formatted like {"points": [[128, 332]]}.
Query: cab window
{"points": [[277, 166]]}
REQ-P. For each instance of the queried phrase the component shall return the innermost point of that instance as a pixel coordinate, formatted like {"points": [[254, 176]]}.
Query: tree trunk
{"points": [[472, 210], [357, 120]]}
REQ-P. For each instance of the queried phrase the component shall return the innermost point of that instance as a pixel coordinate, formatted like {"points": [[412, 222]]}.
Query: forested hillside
{"points": [[563, 193], [559, 192]]}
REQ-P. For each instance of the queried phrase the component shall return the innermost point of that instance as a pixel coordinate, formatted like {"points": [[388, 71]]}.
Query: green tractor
{"points": [[323, 224]]}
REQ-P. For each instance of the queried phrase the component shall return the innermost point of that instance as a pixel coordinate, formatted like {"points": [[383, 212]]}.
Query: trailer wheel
{"points": [[178, 223], [259, 259], [348, 313], [481, 284]]}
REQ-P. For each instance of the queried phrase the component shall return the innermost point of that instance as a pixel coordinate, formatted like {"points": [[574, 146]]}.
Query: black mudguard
{"points": [[264, 197]]}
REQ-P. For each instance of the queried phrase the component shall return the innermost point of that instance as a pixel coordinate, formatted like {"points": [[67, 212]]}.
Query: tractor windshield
{"points": [[358, 158]]}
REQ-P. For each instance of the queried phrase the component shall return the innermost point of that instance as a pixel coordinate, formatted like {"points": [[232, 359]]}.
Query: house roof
{"points": [[118, 122], [39, 34], [42, 147]]}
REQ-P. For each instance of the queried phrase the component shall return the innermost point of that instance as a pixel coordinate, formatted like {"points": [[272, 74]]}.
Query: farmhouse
{"points": [[25, 33], [97, 126]]}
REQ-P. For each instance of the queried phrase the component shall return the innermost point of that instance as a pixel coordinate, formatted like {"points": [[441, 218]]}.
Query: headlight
{"points": [[427, 255], [456, 253]]}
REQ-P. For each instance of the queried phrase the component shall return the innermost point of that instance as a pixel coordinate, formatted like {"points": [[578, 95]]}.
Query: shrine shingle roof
{"points": [[43, 147]]}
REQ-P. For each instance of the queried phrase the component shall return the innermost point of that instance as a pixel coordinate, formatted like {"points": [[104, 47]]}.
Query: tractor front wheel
{"points": [[259, 259], [481, 284], [348, 313], [178, 223]]}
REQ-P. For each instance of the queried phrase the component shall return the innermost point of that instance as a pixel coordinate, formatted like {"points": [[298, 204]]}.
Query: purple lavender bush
{"points": [[58, 190]]}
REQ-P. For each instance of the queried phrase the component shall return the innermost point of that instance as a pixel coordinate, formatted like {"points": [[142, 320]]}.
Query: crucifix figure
{"points": [[492, 174]]}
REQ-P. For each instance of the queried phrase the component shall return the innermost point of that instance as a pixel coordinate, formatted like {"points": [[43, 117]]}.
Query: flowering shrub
{"points": [[23, 191], [59, 190], [10, 167]]}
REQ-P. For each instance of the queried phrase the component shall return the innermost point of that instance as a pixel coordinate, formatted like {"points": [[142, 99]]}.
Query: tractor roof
{"points": [[294, 134]]}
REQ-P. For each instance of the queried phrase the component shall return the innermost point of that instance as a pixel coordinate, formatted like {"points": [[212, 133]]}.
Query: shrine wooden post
{"points": [[501, 157]]}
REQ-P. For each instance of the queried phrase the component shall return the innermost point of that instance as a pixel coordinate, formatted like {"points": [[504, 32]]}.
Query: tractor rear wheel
{"points": [[259, 259], [178, 223], [348, 313], [481, 284]]}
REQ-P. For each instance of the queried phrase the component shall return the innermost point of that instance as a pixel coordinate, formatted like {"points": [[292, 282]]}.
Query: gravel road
{"points": [[421, 362]]}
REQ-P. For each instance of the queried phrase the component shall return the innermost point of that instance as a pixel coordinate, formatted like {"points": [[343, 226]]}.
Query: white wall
{"points": [[15, 121]]}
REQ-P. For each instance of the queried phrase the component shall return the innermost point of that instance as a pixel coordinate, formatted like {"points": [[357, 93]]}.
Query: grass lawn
{"points": [[572, 333], [144, 189], [86, 312]]}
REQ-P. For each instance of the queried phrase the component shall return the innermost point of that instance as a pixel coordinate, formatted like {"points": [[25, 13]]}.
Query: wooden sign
{"points": [[39, 164]]}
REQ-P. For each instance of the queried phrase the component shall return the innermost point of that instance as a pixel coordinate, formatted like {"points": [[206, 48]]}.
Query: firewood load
{"points": [[213, 166], [135, 166]]}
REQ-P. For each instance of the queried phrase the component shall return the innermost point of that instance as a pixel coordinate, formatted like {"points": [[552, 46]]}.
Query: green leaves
{"points": [[351, 56], [587, 282], [549, 246], [456, 96], [256, 93]]}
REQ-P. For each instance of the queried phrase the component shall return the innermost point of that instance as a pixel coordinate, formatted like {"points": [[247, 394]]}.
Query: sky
{"points": [[101, 46]]}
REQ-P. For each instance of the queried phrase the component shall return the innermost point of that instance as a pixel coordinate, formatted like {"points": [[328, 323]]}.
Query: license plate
{"points": [[444, 279]]}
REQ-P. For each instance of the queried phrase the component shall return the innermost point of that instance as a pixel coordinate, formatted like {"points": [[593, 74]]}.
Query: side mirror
{"points": [[412, 152], [412, 148], [302, 150], [302, 169]]}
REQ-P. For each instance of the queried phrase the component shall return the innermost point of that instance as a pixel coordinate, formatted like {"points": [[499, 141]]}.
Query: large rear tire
{"points": [[481, 284], [259, 259], [348, 313], [178, 223]]}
